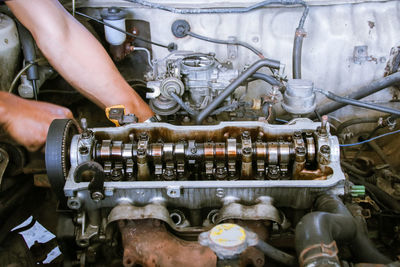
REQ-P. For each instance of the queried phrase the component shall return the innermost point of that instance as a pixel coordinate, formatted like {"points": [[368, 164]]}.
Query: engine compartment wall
{"points": [[333, 29]]}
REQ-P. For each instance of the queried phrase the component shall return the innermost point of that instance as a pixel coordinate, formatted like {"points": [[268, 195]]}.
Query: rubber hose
{"points": [[235, 84], [364, 91], [332, 222]]}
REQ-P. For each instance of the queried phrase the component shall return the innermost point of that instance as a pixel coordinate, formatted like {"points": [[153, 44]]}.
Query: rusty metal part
{"points": [[314, 174], [148, 243], [319, 251], [263, 210]]}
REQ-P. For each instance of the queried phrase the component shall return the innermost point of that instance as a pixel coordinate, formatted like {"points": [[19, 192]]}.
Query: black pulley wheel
{"points": [[57, 154]]}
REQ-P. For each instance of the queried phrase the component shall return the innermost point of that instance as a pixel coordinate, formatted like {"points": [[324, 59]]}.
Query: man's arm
{"points": [[77, 55]]}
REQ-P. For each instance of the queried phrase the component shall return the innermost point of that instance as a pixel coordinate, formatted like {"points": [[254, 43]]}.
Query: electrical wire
{"points": [[27, 66], [120, 30], [369, 140], [281, 120]]}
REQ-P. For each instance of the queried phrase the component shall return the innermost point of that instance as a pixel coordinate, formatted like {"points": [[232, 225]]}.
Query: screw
{"points": [[97, 196], [297, 134], [325, 149], [143, 137], [246, 135], [246, 150], [300, 150], [83, 150]]}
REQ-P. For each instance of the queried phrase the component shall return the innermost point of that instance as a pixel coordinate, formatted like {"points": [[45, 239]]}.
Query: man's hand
{"points": [[27, 121]]}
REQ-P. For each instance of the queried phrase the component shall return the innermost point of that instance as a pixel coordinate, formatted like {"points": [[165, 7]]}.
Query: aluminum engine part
{"points": [[299, 97], [196, 77], [148, 163]]}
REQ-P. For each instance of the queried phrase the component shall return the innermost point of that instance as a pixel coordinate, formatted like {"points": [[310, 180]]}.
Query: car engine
{"points": [[273, 142]]}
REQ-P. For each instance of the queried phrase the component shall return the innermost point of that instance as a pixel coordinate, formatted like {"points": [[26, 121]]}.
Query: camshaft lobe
{"points": [[214, 160]]}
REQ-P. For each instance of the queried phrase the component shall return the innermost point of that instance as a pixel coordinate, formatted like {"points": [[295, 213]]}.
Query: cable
{"points": [[120, 30], [369, 140], [227, 42], [280, 120], [27, 66]]}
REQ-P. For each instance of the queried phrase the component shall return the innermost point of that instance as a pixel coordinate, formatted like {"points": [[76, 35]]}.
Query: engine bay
{"points": [[273, 141]]}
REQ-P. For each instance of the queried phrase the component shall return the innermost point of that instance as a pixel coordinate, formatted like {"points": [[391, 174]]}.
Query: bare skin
{"points": [[78, 57], [27, 121]]}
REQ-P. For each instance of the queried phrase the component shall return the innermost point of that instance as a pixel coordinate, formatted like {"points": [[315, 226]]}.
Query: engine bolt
{"points": [[325, 149], [297, 134], [143, 137], [301, 150], [246, 135], [97, 196], [246, 150], [83, 150]]}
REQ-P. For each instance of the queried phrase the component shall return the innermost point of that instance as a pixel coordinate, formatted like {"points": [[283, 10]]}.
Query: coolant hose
{"points": [[317, 233], [297, 48], [266, 78], [364, 91], [357, 103], [235, 84]]}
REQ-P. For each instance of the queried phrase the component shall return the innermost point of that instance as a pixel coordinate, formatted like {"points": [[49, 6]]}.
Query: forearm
{"points": [[4, 111], [79, 57]]}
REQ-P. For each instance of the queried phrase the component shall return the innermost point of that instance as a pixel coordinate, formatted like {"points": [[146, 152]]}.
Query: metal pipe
{"points": [[357, 103], [226, 10], [235, 84], [364, 91]]}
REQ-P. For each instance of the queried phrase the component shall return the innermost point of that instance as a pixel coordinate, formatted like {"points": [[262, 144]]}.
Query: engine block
{"points": [[198, 166]]}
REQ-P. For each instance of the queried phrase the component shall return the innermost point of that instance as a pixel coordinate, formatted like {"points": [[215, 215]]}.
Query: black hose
{"points": [[378, 150], [364, 91], [276, 254], [182, 104], [296, 56], [348, 123], [332, 222], [357, 103], [235, 84], [266, 78], [227, 42], [353, 169]]}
